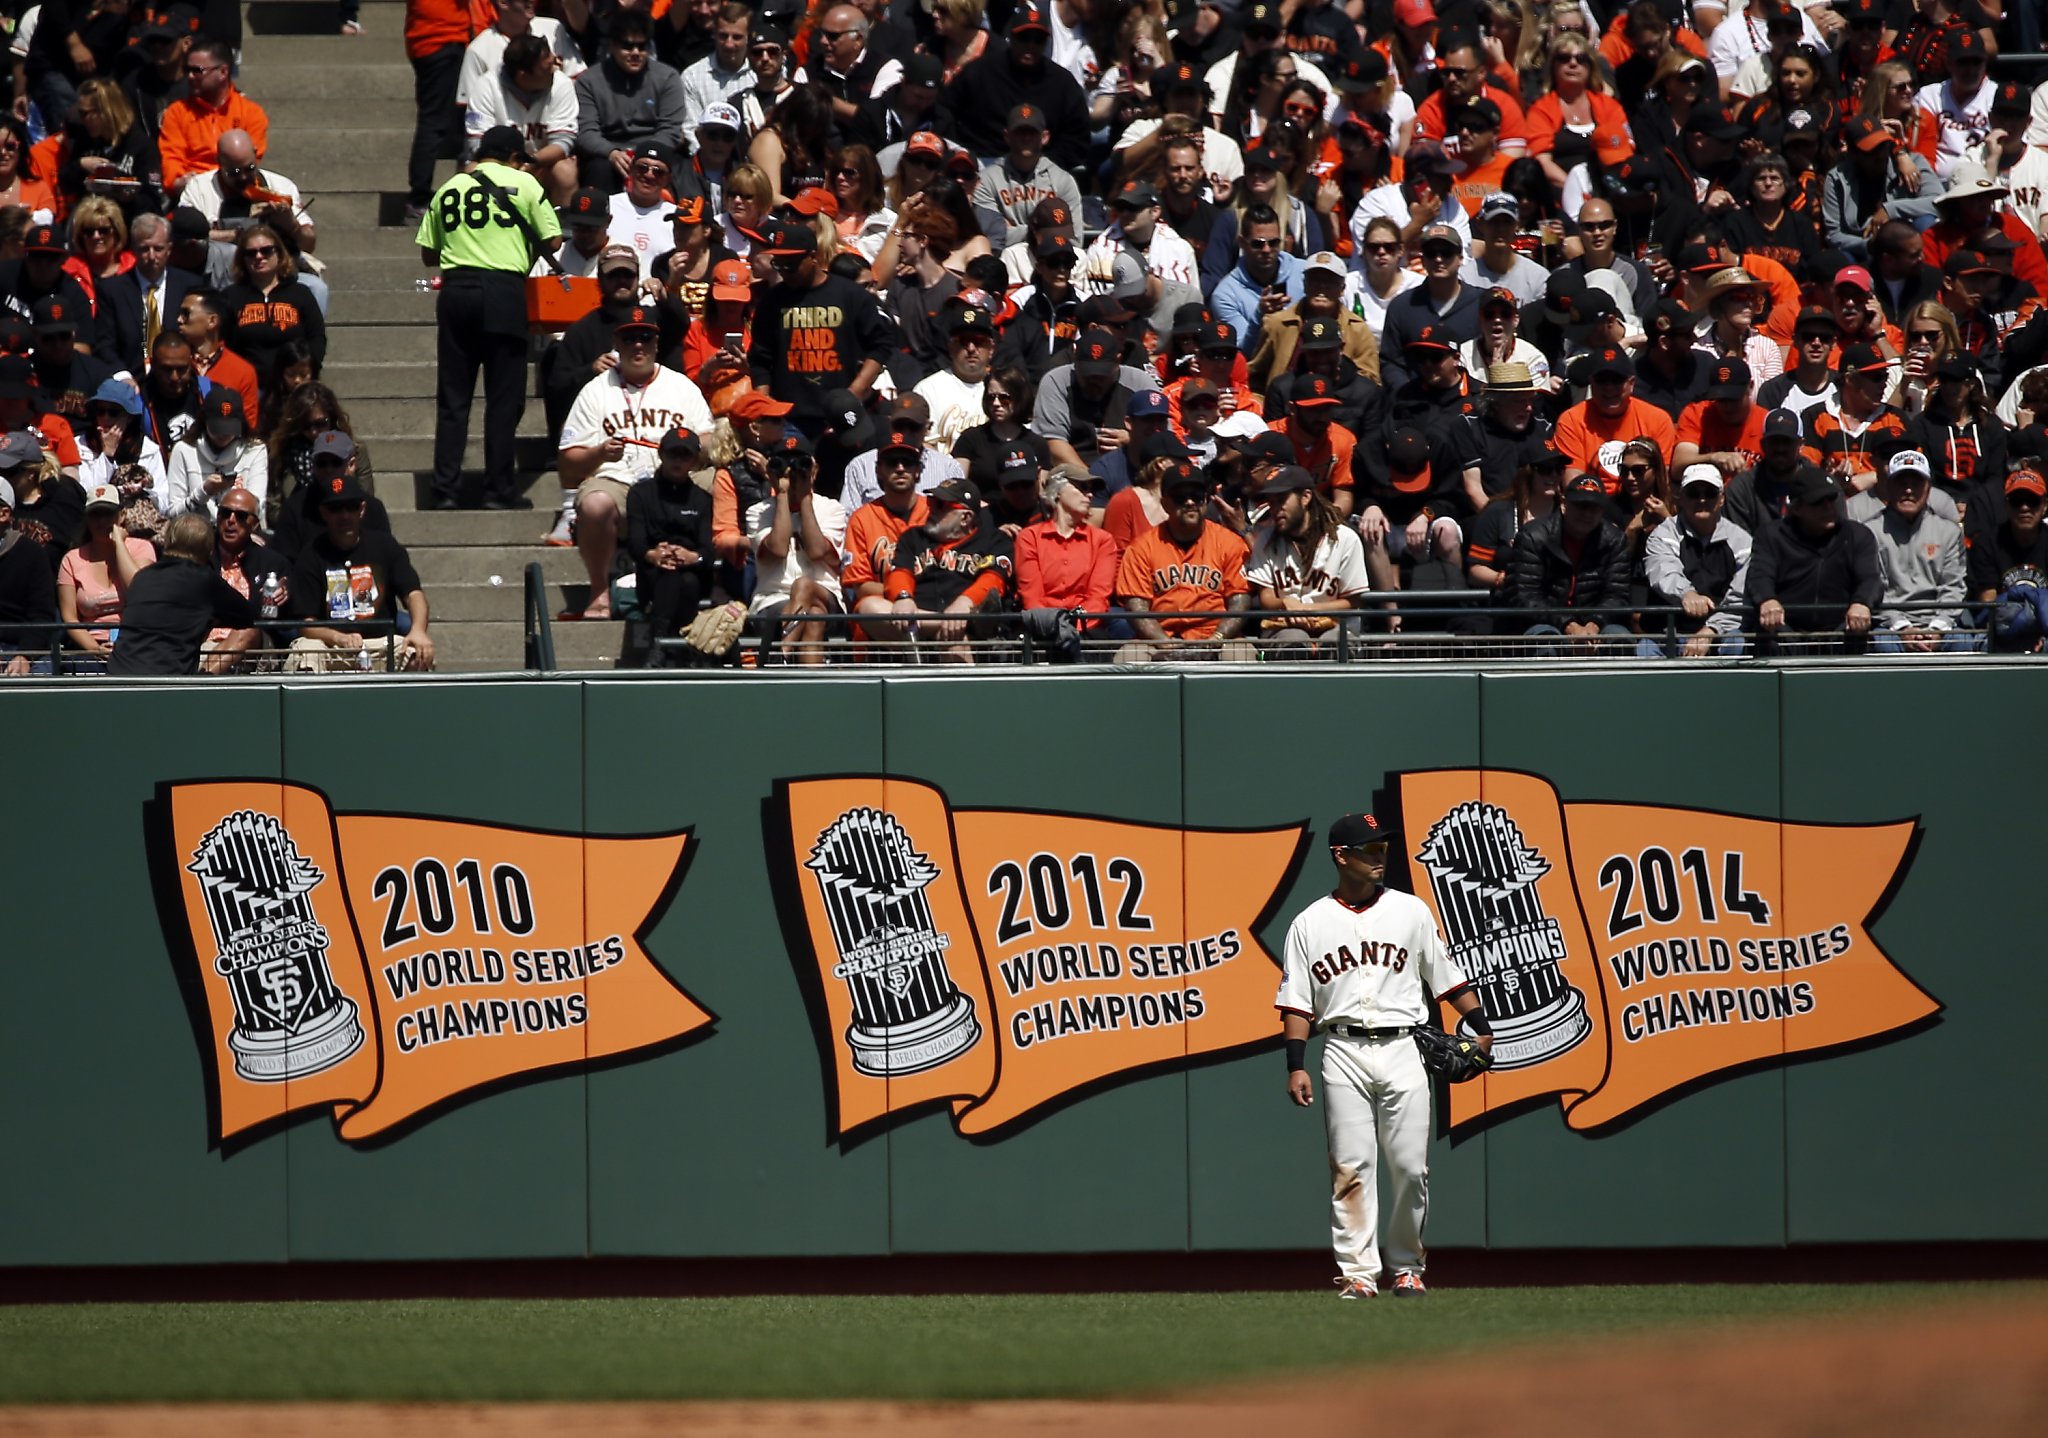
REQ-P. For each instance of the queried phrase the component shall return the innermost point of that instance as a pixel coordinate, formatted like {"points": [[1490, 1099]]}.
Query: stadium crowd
{"points": [[1677, 327]]}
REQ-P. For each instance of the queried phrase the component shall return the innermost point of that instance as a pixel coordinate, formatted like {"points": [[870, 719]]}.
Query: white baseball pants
{"points": [[1376, 1103]]}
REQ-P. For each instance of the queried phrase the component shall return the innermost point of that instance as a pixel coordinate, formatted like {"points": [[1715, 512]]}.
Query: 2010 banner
{"points": [[383, 966], [1625, 951], [1001, 960]]}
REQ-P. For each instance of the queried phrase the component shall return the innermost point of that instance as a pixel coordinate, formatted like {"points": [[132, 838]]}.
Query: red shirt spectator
{"points": [[1065, 562]]}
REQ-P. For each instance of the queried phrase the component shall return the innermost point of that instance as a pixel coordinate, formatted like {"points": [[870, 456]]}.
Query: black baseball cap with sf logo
{"points": [[1730, 379], [1096, 356], [1354, 830]]}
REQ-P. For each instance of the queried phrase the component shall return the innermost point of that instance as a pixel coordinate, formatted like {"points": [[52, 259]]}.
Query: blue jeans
{"points": [[1887, 641], [1553, 651], [1726, 646]]}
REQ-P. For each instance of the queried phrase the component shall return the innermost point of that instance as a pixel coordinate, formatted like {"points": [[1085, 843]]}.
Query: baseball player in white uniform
{"points": [[1356, 963]]}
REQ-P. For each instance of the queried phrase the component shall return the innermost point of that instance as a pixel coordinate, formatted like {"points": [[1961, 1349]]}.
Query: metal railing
{"points": [[66, 662], [540, 629], [1439, 625]]}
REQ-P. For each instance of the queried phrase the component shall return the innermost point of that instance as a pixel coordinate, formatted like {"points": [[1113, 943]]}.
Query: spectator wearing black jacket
{"points": [[173, 604], [1573, 561], [953, 567], [28, 594], [39, 275], [1007, 75], [912, 104], [668, 533], [1760, 497], [1814, 572]]}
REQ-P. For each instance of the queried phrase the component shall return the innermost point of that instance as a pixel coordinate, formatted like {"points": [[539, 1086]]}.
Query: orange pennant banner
{"points": [[1000, 960], [1625, 951], [381, 967]]}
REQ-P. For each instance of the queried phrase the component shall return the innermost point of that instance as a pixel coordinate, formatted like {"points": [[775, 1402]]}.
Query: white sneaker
{"points": [[563, 535], [1356, 1288]]}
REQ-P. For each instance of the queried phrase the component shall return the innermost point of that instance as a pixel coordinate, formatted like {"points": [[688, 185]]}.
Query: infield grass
{"points": [[953, 1347]]}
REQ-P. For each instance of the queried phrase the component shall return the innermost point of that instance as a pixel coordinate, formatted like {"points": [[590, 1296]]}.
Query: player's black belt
{"points": [[1360, 1031]]}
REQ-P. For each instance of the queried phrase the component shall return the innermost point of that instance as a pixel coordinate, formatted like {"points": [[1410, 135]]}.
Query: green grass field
{"points": [[1028, 1346]]}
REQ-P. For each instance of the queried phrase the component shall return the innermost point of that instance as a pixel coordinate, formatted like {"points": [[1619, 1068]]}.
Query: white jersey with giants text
{"points": [[608, 407], [1367, 965]]}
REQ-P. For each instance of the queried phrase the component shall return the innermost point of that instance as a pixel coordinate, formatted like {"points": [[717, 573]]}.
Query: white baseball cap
{"points": [[102, 496], [1328, 263], [1702, 474], [1240, 424], [721, 114], [1910, 461]]}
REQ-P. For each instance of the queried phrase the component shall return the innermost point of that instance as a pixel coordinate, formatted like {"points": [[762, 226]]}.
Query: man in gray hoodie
{"points": [[626, 100], [1920, 559]]}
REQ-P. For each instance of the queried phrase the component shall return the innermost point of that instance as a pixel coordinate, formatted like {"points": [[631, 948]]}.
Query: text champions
{"points": [[457, 1017]]}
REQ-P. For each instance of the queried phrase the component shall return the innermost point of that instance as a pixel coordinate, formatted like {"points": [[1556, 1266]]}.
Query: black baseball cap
{"points": [[1096, 355], [1584, 489], [1286, 480], [1354, 830], [955, 491], [845, 418], [681, 443], [1729, 379], [1612, 361], [1816, 488], [1781, 424]]}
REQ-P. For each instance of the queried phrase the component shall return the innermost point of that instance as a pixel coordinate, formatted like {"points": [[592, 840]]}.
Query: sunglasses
{"points": [[844, 173], [1382, 247], [257, 252], [1700, 493], [1596, 226], [96, 230], [242, 516], [1634, 471], [203, 69], [831, 35], [1271, 242], [1570, 60], [1923, 336], [2025, 499], [629, 45], [773, 52]]}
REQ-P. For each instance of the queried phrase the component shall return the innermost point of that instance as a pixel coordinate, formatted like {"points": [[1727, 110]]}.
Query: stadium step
{"points": [[341, 121]]}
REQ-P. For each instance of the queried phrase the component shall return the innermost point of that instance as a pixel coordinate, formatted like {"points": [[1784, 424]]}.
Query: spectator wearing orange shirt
{"points": [[1190, 564], [1726, 429], [1578, 99], [1064, 562], [1591, 434], [874, 529], [190, 139], [1479, 127], [1462, 69], [1321, 445]]}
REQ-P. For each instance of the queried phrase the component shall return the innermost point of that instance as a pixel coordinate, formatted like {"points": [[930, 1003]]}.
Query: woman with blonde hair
{"points": [[105, 151], [1513, 44], [961, 36], [749, 197], [1577, 100], [1931, 335], [99, 249], [1890, 97], [1124, 91]]}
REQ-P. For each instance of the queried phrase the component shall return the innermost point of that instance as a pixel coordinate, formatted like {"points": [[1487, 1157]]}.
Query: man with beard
{"points": [[1188, 565], [953, 567], [1306, 563], [170, 391], [1670, 373], [984, 93], [954, 393], [1764, 495], [1321, 446]]}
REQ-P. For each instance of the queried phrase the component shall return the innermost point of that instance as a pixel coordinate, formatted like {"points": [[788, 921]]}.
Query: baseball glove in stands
{"points": [[1457, 1057], [716, 630]]}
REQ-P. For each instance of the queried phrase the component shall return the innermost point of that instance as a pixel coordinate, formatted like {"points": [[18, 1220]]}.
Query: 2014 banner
{"points": [[1000, 960], [383, 966], [1626, 951]]}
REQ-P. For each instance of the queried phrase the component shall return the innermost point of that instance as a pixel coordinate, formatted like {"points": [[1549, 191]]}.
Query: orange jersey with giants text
{"points": [[871, 537], [1171, 577]]}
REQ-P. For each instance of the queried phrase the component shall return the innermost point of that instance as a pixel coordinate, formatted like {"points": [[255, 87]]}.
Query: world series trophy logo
{"points": [[1484, 875], [290, 1020], [908, 1014]]}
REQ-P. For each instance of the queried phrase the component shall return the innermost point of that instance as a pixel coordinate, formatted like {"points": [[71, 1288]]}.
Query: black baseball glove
{"points": [[1457, 1057]]}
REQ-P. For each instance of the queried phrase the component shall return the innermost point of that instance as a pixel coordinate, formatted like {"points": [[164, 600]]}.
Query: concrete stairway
{"points": [[341, 121]]}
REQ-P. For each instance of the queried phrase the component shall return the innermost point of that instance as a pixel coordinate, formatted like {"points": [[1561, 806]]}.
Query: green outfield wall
{"points": [[777, 966]]}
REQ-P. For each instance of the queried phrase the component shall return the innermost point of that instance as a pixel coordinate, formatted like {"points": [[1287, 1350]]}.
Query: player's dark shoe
{"points": [[1356, 1288], [1409, 1285]]}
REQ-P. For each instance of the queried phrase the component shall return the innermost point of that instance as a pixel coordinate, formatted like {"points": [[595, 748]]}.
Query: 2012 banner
{"points": [[1002, 960], [1625, 951], [384, 966]]}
